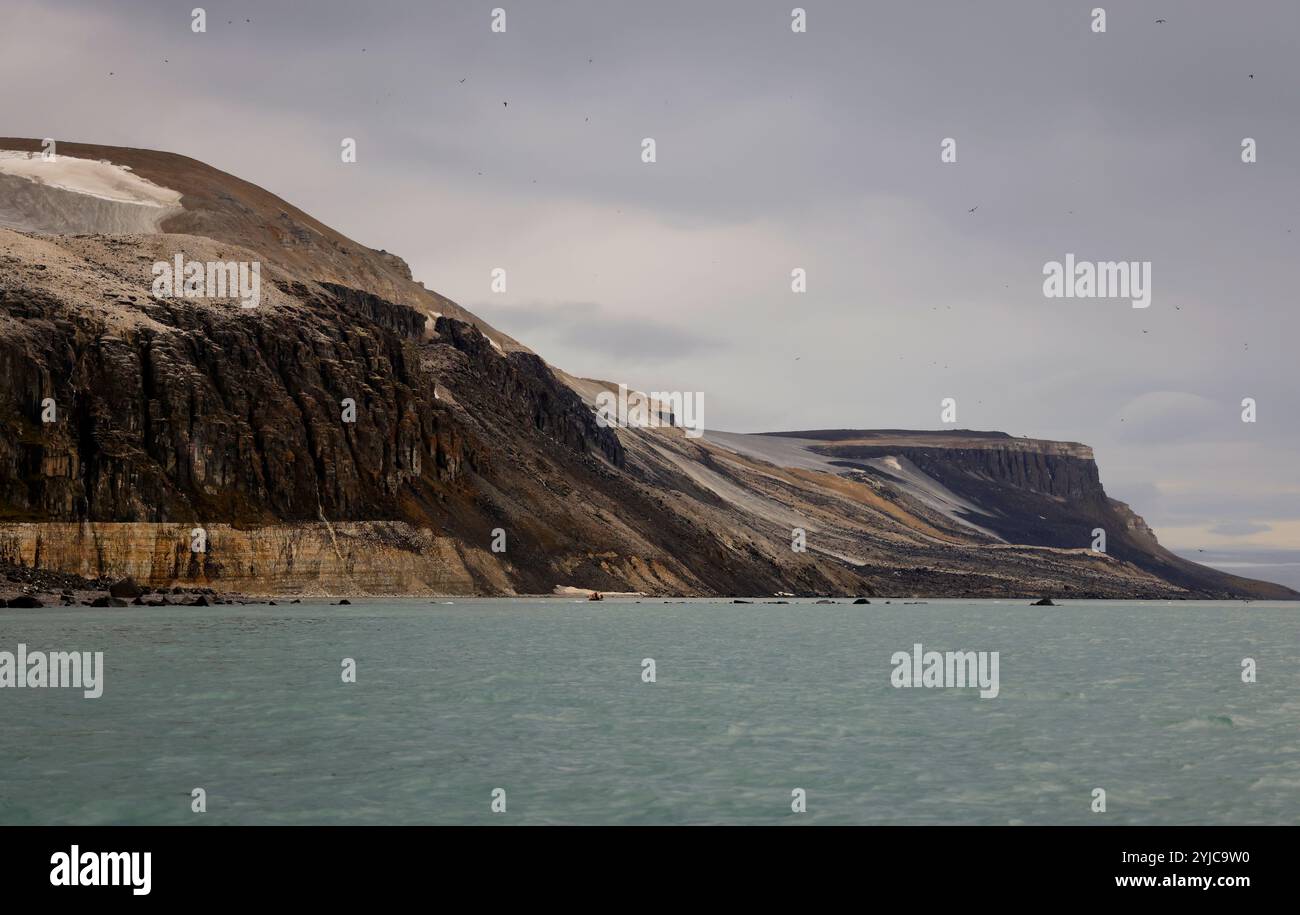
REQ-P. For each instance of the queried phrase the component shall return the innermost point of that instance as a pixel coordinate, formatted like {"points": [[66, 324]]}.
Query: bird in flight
{"points": [[973, 209], [1160, 21]]}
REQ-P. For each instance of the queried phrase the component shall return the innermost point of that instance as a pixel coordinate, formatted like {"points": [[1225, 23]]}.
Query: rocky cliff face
{"points": [[282, 559], [1030, 491], [196, 412], [356, 433]]}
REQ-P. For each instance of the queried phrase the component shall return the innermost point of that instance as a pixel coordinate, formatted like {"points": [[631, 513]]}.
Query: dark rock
{"points": [[108, 602], [344, 602], [1045, 602], [200, 601], [742, 602], [24, 602], [862, 600], [126, 588]]}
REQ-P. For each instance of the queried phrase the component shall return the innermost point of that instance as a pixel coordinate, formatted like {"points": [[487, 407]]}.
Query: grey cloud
{"points": [[1239, 528], [588, 327]]}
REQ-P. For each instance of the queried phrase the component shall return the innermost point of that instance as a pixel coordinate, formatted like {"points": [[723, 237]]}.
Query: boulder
{"points": [[125, 589], [24, 602], [1045, 602], [107, 601]]}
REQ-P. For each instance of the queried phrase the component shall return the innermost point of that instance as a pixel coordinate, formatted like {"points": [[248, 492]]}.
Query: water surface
{"points": [[545, 699]]}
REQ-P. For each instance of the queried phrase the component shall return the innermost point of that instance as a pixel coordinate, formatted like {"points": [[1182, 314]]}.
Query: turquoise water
{"points": [[544, 699]]}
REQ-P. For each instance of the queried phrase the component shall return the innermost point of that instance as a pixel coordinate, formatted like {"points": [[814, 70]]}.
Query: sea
{"points": [[649, 711]]}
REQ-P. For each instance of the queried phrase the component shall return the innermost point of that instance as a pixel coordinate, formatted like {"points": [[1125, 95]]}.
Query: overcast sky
{"points": [[778, 150]]}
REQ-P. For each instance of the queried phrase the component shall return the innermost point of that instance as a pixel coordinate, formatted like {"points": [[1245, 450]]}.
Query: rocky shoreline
{"points": [[22, 587]]}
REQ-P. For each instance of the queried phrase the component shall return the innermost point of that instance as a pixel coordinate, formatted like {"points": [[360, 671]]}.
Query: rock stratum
{"points": [[177, 414]]}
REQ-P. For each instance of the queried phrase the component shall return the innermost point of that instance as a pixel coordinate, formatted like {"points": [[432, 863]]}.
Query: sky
{"points": [[778, 150]]}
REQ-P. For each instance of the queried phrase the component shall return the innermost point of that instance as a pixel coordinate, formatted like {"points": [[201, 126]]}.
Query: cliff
{"points": [[357, 433]]}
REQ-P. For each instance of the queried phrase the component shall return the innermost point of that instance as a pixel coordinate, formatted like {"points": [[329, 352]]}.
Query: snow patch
{"points": [[97, 178]]}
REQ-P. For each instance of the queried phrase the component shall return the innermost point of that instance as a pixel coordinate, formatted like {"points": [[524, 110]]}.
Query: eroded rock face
{"points": [[176, 414], [213, 413], [294, 559], [309, 442]]}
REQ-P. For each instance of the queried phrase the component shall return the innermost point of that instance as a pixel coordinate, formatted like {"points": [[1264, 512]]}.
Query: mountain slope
{"points": [[173, 414], [224, 208], [1023, 491]]}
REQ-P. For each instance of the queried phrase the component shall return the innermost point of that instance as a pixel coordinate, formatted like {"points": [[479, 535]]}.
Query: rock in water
{"points": [[862, 600], [24, 602], [1045, 602]]}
